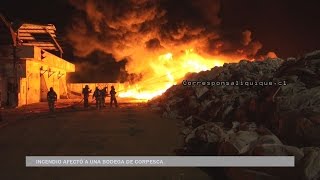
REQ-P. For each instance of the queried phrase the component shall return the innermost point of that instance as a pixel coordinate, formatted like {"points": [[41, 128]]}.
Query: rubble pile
{"points": [[277, 119], [216, 102], [298, 103]]}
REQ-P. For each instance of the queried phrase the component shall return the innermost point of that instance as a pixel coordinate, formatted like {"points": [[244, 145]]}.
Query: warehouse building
{"points": [[30, 63]]}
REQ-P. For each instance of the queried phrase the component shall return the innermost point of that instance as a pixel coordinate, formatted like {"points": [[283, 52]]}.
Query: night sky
{"points": [[286, 27], [289, 28]]}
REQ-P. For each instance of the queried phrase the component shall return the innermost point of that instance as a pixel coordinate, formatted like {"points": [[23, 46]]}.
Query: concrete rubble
{"points": [[253, 120]]}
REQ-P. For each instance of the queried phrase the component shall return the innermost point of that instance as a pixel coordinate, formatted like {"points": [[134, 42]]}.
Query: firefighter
{"points": [[86, 92], [97, 97], [52, 98], [113, 97], [104, 92]]}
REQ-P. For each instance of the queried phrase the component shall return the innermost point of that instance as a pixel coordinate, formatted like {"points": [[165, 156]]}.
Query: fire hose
{"points": [[77, 103]]}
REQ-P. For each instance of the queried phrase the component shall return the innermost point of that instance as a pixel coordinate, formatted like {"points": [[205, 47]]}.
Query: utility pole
{"points": [[14, 45], [14, 65], [15, 75]]}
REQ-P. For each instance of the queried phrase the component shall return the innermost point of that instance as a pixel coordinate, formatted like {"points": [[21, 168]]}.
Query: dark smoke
{"points": [[153, 44], [116, 27], [137, 30]]}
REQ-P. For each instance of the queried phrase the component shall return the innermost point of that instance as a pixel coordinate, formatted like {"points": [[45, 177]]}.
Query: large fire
{"points": [[161, 41], [168, 70]]}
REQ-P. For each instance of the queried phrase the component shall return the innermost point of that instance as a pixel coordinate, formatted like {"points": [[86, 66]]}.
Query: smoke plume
{"points": [[139, 30]]}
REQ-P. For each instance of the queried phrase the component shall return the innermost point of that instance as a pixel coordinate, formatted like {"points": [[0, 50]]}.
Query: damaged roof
{"points": [[42, 36], [28, 34]]}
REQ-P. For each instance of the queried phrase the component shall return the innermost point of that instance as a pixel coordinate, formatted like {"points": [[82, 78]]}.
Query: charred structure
{"points": [[28, 69]]}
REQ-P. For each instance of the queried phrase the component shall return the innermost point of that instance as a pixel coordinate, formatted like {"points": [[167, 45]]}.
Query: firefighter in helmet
{"points": [[104, 93], [113, 97], [86, 92], [97, 97], [52, 98]]}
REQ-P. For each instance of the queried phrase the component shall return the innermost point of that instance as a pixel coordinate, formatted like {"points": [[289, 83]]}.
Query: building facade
{"points": [[27, 68], [39, 72]]}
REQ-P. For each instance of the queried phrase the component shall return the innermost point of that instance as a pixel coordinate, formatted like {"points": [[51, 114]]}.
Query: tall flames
{"points": [[168, 70], [161, 40]]}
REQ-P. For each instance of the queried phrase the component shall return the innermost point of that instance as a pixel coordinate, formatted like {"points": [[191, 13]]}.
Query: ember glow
{"points": [[167, 70]]}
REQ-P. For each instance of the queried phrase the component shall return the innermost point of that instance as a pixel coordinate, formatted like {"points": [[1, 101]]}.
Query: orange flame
{"points": [[167, 70]]}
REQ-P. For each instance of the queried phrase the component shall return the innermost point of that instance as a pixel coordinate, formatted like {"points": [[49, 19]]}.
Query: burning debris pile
{"points": [[259, 119]]}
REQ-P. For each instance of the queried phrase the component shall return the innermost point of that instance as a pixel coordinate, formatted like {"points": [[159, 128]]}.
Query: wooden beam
{"points": [[29, 34], [37, 40], [38, 44], [57, 44], [35, 31], [49, 48], [38, 28], [27, 38], [24, 34], [35, 26]]}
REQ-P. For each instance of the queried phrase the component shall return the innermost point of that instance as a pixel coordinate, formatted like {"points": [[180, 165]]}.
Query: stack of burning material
{"points": [[216, 102], [253, 120]]}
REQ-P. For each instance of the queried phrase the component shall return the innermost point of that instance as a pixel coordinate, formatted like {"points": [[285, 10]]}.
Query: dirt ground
{"points": [[131, 129]]}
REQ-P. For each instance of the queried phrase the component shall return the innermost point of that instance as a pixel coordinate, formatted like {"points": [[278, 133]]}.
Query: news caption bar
{"points": [[159, 161]]}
